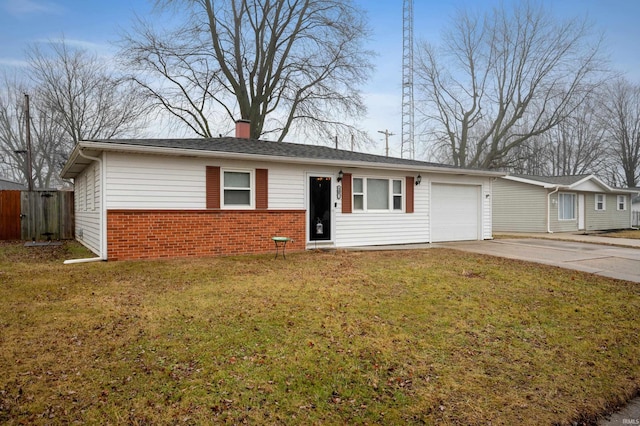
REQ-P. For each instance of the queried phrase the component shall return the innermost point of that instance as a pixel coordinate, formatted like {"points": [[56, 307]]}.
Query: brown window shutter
{"points": [[409, 196], [346, 193], [213, 187], [262, 189]]}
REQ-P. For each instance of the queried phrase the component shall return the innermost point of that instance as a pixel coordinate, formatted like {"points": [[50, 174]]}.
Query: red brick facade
{"points": [[154, 234]]}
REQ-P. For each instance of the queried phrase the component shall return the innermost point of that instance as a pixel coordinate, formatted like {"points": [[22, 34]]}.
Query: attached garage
{"points": [[455, 212]]}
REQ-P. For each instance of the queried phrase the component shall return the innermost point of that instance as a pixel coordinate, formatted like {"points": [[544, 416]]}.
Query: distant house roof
{"points": [[555, 180], [6, 184], [242, 148], [565, 182]]}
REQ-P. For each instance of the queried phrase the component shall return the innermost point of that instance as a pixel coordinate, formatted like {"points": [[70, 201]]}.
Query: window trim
{"points": [[390, 194], [574, 196], [604, 202], [624, 202], [251, 189]]}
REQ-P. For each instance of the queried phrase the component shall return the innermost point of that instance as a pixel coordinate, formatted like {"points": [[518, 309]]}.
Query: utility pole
{"points": [[386, 134], [28, 136]]}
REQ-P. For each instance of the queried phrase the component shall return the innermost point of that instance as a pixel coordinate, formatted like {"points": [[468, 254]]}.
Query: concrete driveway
{"points": [[609, 261]]}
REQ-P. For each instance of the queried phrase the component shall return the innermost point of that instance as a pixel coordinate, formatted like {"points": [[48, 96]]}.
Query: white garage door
{"points": [[454, 212]]}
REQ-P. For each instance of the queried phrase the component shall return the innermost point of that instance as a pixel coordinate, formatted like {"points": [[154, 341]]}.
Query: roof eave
{"points": [[102, 146], [545, 185]]}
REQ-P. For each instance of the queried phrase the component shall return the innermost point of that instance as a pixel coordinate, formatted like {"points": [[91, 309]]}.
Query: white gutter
{"points": [[549, 209], [101, 255], [87, 260]]}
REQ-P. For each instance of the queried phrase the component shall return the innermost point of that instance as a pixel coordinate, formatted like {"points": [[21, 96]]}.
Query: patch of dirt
{"points": [[15, 251]]}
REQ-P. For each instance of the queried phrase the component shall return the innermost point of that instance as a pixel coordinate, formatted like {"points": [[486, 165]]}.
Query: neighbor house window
{"points": [[236, 186], [600, 202], [622, 202], [566, 206], [377, 194]]}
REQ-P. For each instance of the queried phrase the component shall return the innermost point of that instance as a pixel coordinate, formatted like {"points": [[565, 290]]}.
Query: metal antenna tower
{"points": [[408, 148]]}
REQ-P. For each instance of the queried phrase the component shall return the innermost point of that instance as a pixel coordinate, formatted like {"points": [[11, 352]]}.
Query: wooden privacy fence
{"points": [[10, 215], [36, 215]]}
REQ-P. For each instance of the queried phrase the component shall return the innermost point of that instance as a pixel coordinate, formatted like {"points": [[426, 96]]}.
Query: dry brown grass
{"points": [[627, 233], [425, 336]]}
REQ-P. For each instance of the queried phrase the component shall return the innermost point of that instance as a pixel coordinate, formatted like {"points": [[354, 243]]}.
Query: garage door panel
{"points": [[454, 212]]}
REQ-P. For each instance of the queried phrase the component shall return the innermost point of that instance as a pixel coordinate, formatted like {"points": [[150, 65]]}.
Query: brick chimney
{"points": [[243, 129]]}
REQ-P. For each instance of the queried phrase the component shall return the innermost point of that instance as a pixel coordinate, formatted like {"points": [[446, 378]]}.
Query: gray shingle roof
{"points": [[255, 150], [268, 148]]}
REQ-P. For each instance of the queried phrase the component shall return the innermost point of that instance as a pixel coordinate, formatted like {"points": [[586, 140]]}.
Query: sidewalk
{"points": [[569, 236]]}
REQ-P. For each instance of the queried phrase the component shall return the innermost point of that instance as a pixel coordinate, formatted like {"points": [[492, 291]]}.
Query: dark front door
{"points": [[319, 208]]}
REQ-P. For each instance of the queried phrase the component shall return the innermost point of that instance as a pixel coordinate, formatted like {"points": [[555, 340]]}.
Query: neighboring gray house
{"points": [[9, 185], [635, 208], [559, 204]]}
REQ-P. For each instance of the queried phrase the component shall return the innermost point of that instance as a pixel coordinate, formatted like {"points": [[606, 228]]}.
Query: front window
{"points": [[566, 206], [237, 189], [358, 194], [600, 202], [622, 202], [377, 194], [397, 195]]}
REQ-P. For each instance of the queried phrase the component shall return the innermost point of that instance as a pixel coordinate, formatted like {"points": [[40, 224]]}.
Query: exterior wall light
{"points": [[340, 175], [418, 180]]}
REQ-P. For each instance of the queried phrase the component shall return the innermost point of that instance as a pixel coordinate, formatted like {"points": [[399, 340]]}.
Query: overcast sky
{"points": [[96, 24]]}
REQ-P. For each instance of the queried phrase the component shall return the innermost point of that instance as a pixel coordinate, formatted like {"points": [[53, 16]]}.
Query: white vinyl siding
{"points": [[385, 227], [163, 182], [87, 207], [397, 227]]}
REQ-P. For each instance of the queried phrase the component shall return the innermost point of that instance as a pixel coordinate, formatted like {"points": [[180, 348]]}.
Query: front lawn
{"points": [[627, 233], [425, 336]]}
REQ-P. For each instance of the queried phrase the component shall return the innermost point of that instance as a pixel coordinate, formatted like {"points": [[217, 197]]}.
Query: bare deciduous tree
{"points": [[622, 120], [573, 147], [49, 144], [279, 64], [74, 96], [83, 95], [502, 79]]}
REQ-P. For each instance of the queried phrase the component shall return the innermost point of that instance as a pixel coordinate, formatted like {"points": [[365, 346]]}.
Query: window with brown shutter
{"points": [[262, 189], [346, 193], [410, 189], [213, 187]]}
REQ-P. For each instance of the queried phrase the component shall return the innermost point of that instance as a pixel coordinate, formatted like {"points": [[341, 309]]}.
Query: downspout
{"points": [[549, 209], [101, 255]]}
